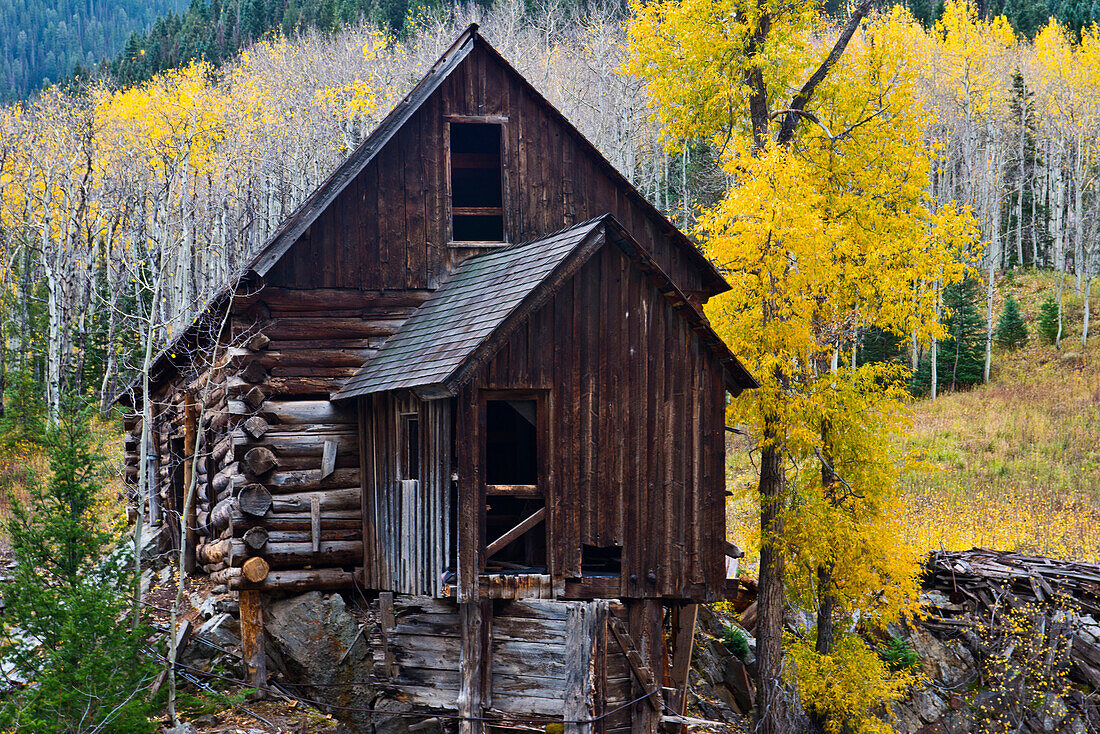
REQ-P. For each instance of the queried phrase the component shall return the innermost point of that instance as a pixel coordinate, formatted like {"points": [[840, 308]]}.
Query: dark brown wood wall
{"points": [[389, 228], [636, 429]]}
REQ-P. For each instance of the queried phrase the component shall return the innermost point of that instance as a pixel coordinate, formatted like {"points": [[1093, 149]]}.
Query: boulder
{"points": [[928, 705], [318, 643]]}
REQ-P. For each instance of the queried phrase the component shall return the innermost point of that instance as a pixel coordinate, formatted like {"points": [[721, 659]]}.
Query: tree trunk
{"points": [[771, 708]]}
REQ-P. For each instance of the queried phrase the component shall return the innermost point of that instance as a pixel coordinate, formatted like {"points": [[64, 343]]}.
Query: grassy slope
{"points": [[1015, 464], [1012, 465]]}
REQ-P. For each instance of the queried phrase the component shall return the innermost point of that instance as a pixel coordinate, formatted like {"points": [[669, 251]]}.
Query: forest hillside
{"points": [[45, 42]]}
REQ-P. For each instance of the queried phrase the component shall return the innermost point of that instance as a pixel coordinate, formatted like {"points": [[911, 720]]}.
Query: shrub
{"points": [[1048, 320], [1011, 331], [71, 598], [735, 639], [899, 656]]}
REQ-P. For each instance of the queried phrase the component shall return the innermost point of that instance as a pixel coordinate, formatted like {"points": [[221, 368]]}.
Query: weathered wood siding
{"points": [[406, 522], [635, 431], [533, 667], [390, 227]]}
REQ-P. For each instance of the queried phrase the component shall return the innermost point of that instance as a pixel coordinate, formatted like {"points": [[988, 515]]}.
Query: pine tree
{"points": [[961, 357], [1048, 319], [64, 626], [1011, 330]]}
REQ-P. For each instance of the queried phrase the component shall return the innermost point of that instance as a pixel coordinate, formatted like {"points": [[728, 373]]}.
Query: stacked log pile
{"points": [[993, 583]]}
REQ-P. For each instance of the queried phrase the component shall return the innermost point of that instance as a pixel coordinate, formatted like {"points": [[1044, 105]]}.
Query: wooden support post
{"points": [[583, 664], [642, 645], [252, 639], [473, 694], [683, 623]]}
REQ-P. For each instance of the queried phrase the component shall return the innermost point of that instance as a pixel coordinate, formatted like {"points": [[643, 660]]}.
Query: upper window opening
{"points": [[511, 447], [477, 184]]}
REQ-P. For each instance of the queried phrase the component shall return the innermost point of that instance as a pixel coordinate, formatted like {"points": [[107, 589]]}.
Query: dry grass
{"points": [[1013, 465]]}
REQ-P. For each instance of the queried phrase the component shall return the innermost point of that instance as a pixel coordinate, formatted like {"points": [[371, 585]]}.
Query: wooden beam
{"points": [[500, 543], [513, 490], [684, 619], [252, 639], [637, 666], [473, 662], [583, 622]]}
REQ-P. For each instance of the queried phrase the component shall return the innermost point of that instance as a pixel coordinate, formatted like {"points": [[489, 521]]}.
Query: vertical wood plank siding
{"points": [[389, 228], [406, 528], [633, 445]]}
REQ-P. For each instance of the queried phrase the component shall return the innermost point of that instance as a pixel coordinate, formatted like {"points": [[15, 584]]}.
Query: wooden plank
{"points": [[642, 673], [684, 619], [315, 522], [527, 524], [328, 458], [580, 678]]}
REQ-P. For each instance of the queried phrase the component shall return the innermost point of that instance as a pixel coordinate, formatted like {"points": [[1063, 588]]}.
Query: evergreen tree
{"points": [[961, 353], [65, 627], [23, 419], [879, 345], [1048, 319], [1011, 331]]}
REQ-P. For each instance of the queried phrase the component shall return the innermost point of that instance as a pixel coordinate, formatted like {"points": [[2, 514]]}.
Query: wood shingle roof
{"points": [[490, 294]]}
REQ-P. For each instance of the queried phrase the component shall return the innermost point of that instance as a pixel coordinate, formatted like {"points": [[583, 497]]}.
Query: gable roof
{"points": [[307, 213], [295, 225], [458, 329]]}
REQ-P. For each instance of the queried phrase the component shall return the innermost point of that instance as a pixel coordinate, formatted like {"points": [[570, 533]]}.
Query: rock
{"points": [[938, 662], [319, 644], [928, 705], [740, 685], [905, 721], [203, 604], [184, 728]]}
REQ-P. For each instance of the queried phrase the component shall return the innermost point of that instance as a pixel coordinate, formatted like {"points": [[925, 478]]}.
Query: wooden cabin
{"points": [[470, 376]]}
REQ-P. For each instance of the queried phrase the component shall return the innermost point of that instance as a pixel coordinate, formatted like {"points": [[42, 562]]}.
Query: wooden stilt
{"points": [[473, 693], [683, 622], [645, 636], [252, 639], [584, 620]]}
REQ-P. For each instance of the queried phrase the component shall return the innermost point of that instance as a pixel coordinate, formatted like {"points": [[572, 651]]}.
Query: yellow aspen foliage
{"points": [[826, 228], [848, 686]]}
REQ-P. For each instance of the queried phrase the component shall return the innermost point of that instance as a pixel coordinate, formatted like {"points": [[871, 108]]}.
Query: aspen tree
{"points": [[807, 246]]}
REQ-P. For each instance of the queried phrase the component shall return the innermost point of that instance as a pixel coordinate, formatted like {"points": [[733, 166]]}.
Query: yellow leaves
{"points": [[846, 687]]}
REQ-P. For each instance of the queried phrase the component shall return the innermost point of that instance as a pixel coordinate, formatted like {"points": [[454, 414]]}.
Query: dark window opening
{"points": [[601, 561], [525, 554], [410, 444], [477, 183], [511, 443]]}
